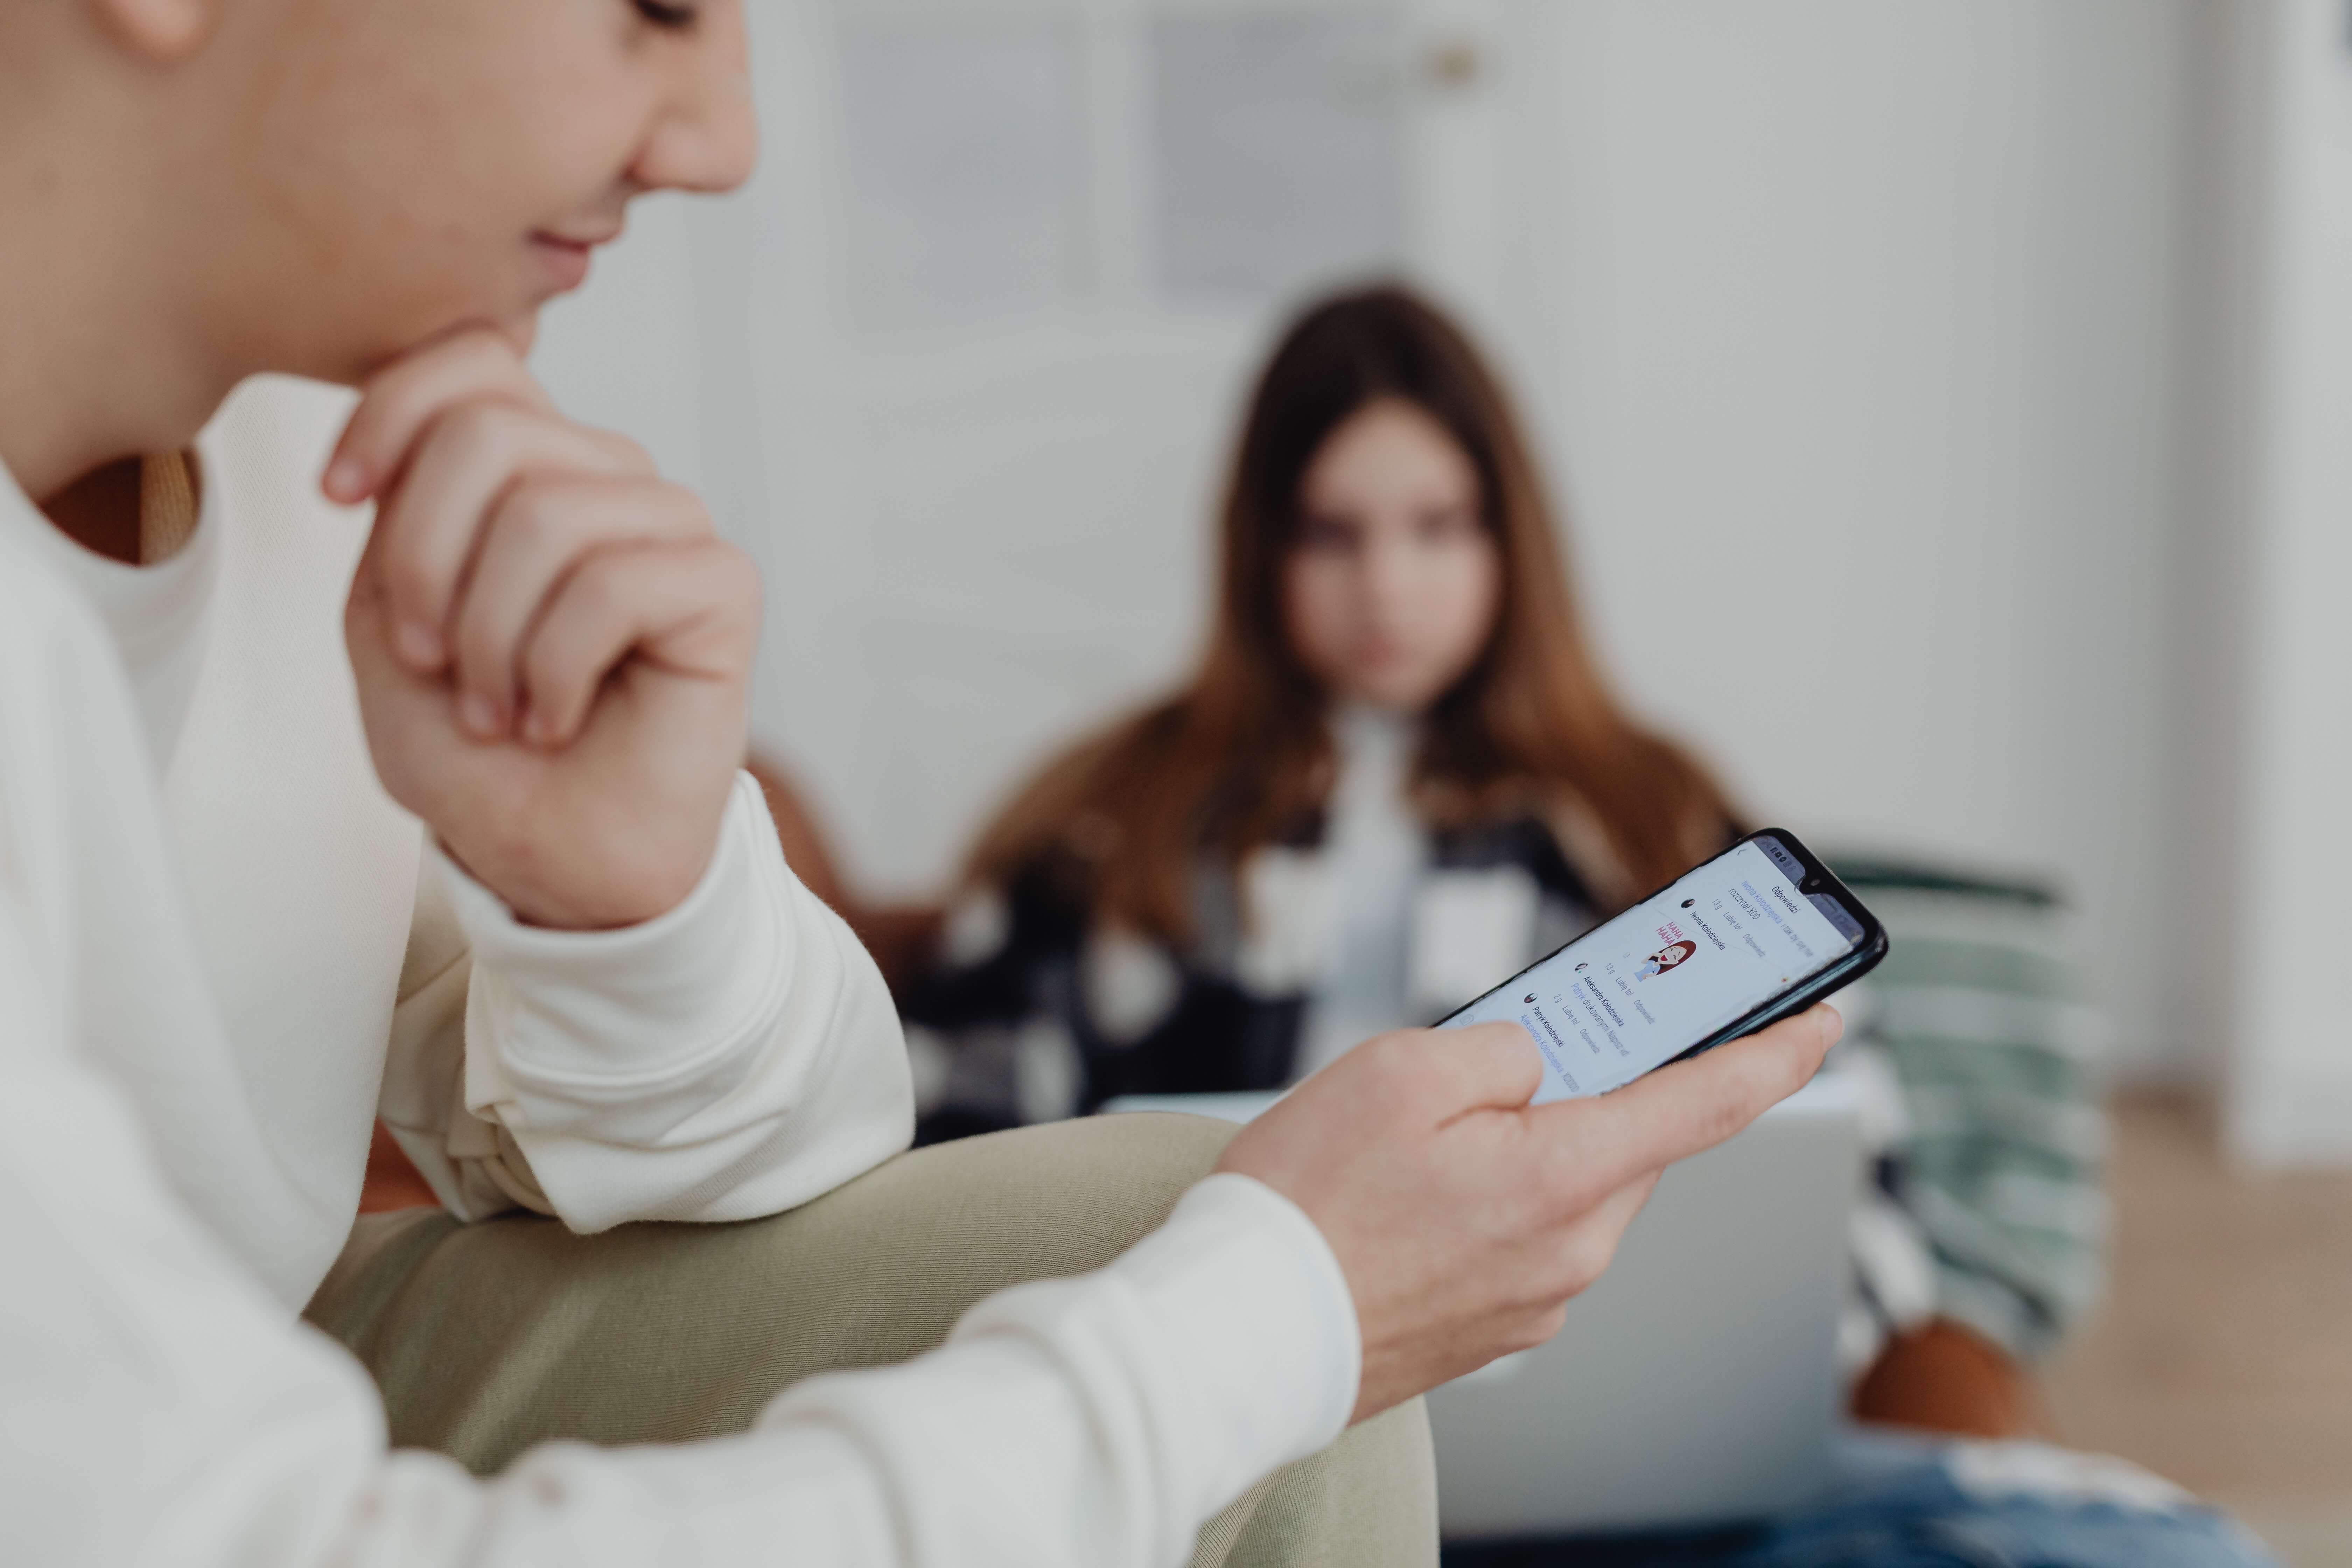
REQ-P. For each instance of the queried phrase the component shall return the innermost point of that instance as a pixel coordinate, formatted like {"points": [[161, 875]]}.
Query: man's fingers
{"points": [[1684, 1108], [685, 609], [431, 523], [475, 365], [1483, 1066], [540, 528], [1592, 1245]]}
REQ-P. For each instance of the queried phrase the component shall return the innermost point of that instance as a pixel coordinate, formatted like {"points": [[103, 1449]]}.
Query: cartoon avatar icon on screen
{"points": [[1665, 958]]}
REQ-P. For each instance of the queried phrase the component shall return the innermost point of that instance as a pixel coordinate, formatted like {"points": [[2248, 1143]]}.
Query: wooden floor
{"points": [[2223, 1356]]}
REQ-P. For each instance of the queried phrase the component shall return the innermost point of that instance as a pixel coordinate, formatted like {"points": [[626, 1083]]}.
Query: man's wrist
{"points": [[543, 904], [626, 890], [708, 969]]}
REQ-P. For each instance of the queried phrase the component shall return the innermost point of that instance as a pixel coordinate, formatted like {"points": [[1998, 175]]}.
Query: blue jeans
{"points": [[1907, 1502]]}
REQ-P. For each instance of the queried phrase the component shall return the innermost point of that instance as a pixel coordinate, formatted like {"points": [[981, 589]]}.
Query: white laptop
{"points": [[1697, 1382]]}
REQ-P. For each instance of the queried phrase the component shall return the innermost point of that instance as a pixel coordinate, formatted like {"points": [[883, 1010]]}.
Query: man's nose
{"points": [[709, 136]]}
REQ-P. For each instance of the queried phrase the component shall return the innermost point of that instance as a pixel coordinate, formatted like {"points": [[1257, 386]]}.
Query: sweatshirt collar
{"points": [[156, 616]]}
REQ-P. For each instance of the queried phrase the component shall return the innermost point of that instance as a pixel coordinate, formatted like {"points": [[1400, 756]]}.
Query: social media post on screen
{"points": [[1638, 990]]}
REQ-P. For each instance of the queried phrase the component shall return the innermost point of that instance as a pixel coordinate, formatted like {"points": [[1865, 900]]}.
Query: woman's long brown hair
{"points": [[1241, 757]]}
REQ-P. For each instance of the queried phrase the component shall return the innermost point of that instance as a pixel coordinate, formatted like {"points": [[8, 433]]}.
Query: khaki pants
{"points": [[489, 1337]]}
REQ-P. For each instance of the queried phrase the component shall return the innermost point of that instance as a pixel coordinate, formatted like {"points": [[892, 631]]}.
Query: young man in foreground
{"points": [[587, 987]]}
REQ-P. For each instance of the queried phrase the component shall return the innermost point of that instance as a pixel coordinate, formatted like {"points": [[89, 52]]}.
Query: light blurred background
{"points": [[1951, 401]]}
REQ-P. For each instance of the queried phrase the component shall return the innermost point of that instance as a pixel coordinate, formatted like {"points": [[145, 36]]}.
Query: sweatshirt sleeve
{"points": [[732, 1058], [161, 1408]]}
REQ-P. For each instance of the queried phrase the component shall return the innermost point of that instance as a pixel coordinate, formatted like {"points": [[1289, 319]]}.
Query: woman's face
{"points": [[400, 167], [1389, 591]]}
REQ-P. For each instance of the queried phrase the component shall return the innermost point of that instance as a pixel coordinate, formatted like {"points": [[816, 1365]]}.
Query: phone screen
{"points": [[1639, 990]]}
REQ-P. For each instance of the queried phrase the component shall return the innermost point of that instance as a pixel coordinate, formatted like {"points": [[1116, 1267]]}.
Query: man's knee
{"points": [[1044, 1201], [889, 1261]]}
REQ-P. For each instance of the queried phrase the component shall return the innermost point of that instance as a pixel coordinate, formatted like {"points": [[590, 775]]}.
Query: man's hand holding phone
{"points": [[1463, 1218], [551, 644]]}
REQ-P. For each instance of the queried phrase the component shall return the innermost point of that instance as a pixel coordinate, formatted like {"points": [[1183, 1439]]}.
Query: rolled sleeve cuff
{"points": [[647, 1002]]}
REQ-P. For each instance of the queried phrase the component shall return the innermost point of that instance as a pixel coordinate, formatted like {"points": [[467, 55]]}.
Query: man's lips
{"points": [[566, 257]]}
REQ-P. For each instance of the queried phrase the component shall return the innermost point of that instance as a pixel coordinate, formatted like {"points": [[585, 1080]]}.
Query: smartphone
{"points": [[1761, 931]]}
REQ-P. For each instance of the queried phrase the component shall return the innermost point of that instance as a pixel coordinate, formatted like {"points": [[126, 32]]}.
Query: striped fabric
{"points": [[1998, 1159]]}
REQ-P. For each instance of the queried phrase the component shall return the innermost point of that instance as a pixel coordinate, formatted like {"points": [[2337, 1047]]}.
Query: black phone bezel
{"points": [[1857, 961]]}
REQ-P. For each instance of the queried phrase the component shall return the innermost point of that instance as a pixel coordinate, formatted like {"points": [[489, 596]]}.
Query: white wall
{"points": [[1849, 325], [1865, 388], [2278, 534]]}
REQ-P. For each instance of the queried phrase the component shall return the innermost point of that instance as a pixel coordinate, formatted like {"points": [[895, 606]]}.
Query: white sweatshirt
{"points": [[206, 902]]}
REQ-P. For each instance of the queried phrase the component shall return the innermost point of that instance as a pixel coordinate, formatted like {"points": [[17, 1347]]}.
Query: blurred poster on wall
{"points": [[964, 170], [1277, 151]]}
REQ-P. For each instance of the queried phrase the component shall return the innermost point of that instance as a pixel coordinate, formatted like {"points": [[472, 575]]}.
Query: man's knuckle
{"points": [[694, 513], [626, 449], [738, 565], [481, 651], [1536, 1328], [611, 575], [538, 513], [479, 426], [1385, 1056], [483, 355], [603, 587], [411, 582], [741, 583], [1569, 1190], [547, 665], [1588, 1259], [1559, 1276], [1527, 1216]]}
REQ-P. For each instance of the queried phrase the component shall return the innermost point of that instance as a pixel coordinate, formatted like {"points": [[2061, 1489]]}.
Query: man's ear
{"points": [[162, 30]]}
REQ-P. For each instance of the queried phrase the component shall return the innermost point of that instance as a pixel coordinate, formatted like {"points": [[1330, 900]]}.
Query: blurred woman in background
{"points": [[1396, 778]]}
